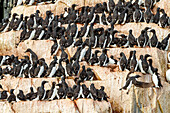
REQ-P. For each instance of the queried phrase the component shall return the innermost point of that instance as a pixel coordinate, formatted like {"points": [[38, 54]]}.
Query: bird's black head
{"points": [[53, 83], [155, 70], [146, 28], [112, 57], [134, 52], [152, 30], [48, 12], [28, 50], [32, 15], [123, 36], [15, 14], [37, 11], [11, 91], [43, 82], [137, 76], [102, 88], [97, 51], [78, 82], [26, 17], [59, 84], [1, 86], [147, 55], [131, 53], [89, 69], [83, 67], [20, 91], [141, 57], [122, 54], [74, 5], [105, 50], [65, 9], [31, 88], [150, 61], [130, 31], [92, 84]]}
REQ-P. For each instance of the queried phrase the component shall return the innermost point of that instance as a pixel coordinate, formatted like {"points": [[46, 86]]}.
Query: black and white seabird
{"points": [[70, 93], [54, 48], [18, 2], [123, 16], [83, 75], [168, 56], [63, 55], [124, 42], [41, 91], [141, 39], [4, 95], [112, 60], [110, 5], [18, 23], [143, 64], [52, 69], [163, 19], [53, 91], [131, 39], [129, 83], [12, 96], [168, 75], [32, 95], [93, 92], [156, 16], [90, 74], [69, 68], [88, 54], [134, 62], [156, 79], [165, 43], [115, 15], [60, 71], [154, 39], [137, 14], [5, 25], [151, 68], [13, 21], [148, 3], [33, 56], [103, 59], [78, 91], [31, 23], [38, 72], [76, 67], [83, 51], [123, 62], [20, 96], [148, 15], [95, 60]]}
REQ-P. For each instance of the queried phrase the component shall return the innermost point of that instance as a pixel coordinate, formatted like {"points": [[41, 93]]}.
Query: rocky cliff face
{"points": [[139, 100]]}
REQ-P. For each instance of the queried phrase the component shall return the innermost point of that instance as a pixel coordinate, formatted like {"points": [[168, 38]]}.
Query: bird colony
{"points": [[78, 28]]}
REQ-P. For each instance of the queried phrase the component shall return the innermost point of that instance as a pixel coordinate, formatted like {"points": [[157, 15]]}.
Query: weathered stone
{"points": [[8, 41], [5, 107], [56, 106], [89, 106]]}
